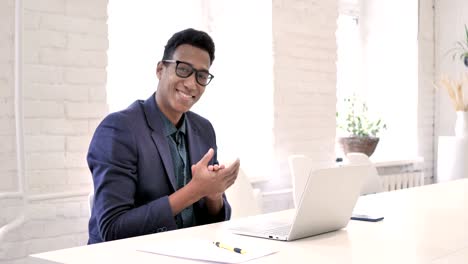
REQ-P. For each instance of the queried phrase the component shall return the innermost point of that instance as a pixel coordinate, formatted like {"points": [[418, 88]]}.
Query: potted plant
{"points": [[454, 89], [461, 49], [362, 132]]}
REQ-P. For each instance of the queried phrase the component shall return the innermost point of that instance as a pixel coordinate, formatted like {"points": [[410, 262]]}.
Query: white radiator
{"points": [[401, 174], [405, 180]]}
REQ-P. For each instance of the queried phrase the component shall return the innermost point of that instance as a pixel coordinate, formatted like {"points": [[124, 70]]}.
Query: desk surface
{"points": [[426, 224]]}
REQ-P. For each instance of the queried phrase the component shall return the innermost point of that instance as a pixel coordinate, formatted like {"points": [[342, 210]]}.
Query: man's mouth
{"points": [[185, 95]]}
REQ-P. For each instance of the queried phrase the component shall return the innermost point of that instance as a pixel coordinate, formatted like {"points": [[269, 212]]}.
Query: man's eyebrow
{"points": [[198, 69]]}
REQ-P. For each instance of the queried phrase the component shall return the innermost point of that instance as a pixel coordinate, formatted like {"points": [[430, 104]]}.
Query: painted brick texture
{"points": [[426, 100], [304, 49], [7, 118], [64, 97], [65, 63]]}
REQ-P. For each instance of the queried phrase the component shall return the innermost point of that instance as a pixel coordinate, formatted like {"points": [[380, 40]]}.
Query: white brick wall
{"points": [[304, 49], [74, 24], [65, 44], [426, 105], [70, 40], [46, 6], [49, 225], [8, 180]]}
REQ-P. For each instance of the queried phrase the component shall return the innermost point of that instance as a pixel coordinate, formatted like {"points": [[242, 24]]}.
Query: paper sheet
{"points": [[205, 250]]}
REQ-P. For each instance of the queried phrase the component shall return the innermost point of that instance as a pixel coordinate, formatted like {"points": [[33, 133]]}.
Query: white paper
{"points": [[205, 250]]}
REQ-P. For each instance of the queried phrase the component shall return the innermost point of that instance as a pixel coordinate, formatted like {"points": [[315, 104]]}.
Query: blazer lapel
{"points": [[198, 145], [195, 152], [153, 118]]}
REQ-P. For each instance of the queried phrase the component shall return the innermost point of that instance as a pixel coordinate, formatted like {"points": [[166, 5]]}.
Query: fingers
{"points": [[215, 167], [206, 159], [231, 180], [230, 173], [230, 183], [233, 167]]}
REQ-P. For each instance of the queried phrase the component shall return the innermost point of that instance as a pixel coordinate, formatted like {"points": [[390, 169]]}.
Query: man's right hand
{"points": [[208, 181], [213, 179]]}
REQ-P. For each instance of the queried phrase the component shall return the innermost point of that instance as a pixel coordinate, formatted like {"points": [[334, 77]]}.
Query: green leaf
{"points": [[461, 45], [466, 33], [354, 118]]}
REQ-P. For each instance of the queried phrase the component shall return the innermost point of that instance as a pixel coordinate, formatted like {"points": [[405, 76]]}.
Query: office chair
{"points": [[373, 183], [90, 202], [243, 198], [299, 168]]}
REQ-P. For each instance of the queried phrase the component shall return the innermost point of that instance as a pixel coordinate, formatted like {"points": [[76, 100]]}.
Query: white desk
{"points": [[422, 225]]}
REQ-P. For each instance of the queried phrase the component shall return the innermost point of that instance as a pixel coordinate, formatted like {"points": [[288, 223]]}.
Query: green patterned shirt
{"points": [[177, 139]]}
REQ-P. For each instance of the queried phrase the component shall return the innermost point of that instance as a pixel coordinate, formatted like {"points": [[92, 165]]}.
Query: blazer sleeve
{"points": [[112, 159], [206, 218]]}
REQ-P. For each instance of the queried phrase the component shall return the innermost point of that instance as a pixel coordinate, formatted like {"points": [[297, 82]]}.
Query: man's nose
{"points": [[191, 82]]}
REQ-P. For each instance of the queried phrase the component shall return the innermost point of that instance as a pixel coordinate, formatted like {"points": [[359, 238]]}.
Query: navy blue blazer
{"points": [[133, 173]]}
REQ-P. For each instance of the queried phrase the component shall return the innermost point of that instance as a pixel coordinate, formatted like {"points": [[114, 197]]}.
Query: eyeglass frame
{"points": [[177, 62]]}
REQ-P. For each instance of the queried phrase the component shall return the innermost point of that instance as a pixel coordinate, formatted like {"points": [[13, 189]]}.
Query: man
{"points": [[141, 157]]}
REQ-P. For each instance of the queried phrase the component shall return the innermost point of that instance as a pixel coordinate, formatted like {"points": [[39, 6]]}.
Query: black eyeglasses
{"points": [[184, 70]]}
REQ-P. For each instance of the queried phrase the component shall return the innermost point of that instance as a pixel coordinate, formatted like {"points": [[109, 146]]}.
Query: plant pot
{"points": [[461, 124], [364, 145]]}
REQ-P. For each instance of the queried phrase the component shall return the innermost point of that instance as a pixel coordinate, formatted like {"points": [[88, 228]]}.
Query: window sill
{"points": [[396, 162]]}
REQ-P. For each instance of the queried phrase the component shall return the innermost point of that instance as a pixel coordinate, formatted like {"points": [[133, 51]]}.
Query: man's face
{"points": [[176, 95]]}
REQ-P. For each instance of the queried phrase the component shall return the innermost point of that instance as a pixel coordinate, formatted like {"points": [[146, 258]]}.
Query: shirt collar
{"points": [[170, 129]]}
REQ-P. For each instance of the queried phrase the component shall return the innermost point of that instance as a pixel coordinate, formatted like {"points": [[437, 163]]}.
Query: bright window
{"points": [[378, 61], [239, 100]]}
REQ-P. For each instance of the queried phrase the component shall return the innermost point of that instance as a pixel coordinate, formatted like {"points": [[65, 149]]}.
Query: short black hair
{"points": [[191, 37]]}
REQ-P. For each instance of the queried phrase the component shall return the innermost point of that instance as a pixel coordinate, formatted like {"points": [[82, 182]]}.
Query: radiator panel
{"points": [[392, 182], [401, 176]]}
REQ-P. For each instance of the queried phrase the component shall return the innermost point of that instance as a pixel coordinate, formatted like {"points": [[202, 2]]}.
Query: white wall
{"points": [[7, 92], [425, 96], [63, 99], [450, 18], [304, 49]]}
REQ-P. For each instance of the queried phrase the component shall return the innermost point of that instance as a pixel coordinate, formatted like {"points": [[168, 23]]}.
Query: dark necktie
{"points": [[181, 167]]}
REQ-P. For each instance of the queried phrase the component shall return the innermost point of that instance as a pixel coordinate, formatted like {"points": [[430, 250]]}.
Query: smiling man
{"points": [[154, 164]]}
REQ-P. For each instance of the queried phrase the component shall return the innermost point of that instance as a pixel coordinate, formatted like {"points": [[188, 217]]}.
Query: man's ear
{"points": [[159, 70]]}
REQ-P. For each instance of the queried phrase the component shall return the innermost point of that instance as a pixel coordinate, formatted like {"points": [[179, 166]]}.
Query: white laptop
{"points": [[326, 205]]}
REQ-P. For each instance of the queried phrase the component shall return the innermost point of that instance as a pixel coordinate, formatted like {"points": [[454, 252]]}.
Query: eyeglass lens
{"points": [[184, 70]]}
